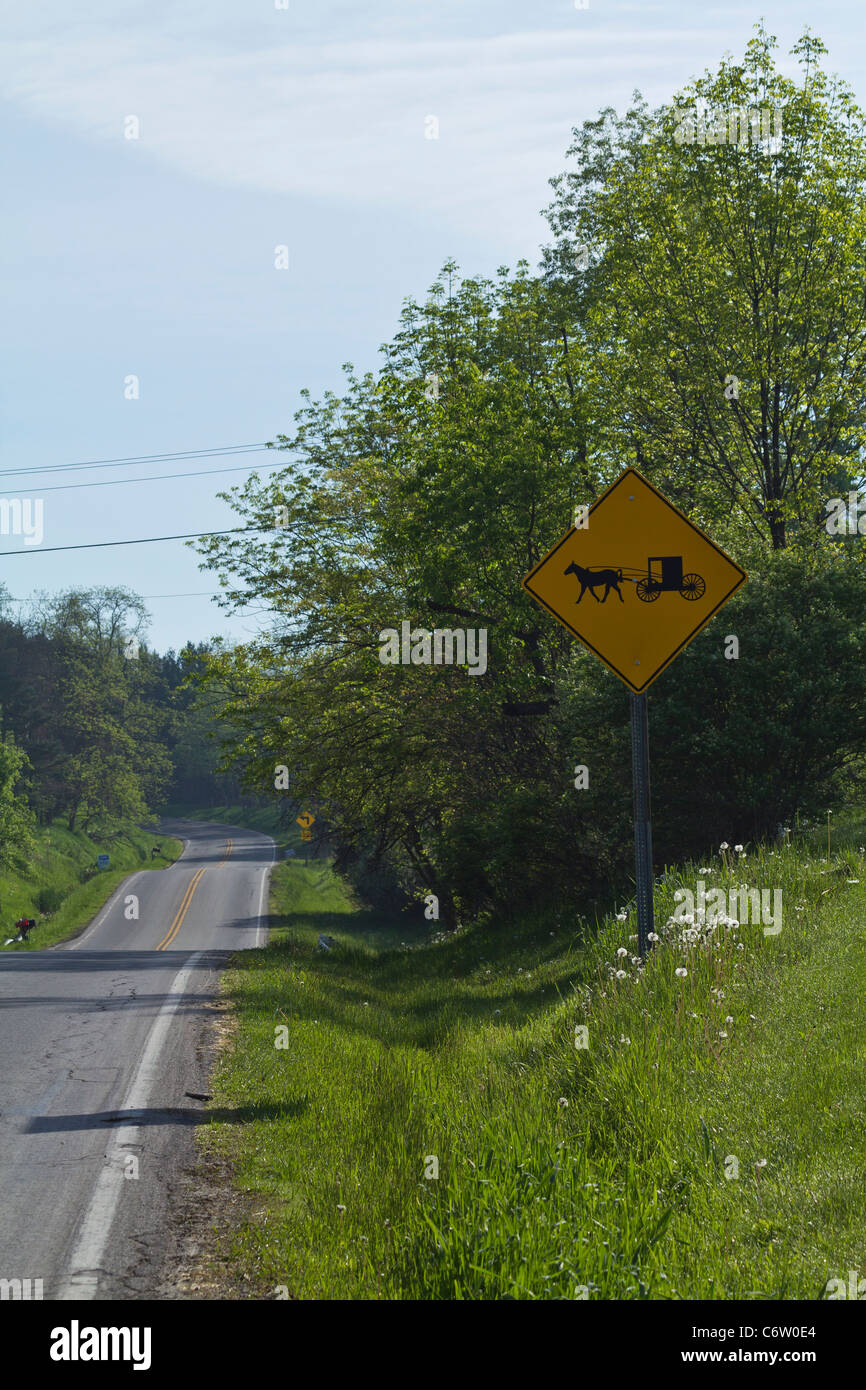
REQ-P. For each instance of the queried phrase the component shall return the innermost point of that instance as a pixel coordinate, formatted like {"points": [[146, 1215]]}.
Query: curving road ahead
{"points": [[102, 1077]]}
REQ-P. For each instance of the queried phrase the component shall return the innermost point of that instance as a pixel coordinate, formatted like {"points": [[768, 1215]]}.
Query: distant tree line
{"points": [[96, 728]]}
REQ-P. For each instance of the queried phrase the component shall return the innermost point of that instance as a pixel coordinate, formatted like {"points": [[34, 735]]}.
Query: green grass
{"points": [[58, 861], [680, 1155], [847, 832], [265, 818]]}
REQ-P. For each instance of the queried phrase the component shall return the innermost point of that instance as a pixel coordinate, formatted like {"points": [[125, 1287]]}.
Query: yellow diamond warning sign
{"points": [[635, 581]]}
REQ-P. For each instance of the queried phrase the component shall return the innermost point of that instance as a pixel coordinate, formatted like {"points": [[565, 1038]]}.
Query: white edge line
{"points": [[95, 1227], [80, 940]]}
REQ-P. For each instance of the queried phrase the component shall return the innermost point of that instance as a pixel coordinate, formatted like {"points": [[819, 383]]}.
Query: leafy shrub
{"points": [[49, 899]]}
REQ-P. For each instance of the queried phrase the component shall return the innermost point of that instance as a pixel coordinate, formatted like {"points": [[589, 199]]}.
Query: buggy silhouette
{"points": [[671, 580]]}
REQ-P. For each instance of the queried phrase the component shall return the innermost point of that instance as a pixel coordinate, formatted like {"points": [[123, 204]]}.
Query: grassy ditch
{"points": [[521, 1111]]}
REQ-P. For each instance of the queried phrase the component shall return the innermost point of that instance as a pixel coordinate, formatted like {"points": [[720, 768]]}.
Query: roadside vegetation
{"points": [[61, 886], [704, 1143], [266, 818]]}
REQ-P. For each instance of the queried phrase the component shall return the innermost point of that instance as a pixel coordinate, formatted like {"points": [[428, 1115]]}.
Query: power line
{"points": [[155, 478], [179, 456], [143, 540]]}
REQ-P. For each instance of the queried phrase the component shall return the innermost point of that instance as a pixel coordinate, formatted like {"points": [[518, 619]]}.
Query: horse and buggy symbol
{"points": [[667, 578]]}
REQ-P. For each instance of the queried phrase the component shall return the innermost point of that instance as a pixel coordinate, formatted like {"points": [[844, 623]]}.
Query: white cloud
{"points": [[347, 119]]}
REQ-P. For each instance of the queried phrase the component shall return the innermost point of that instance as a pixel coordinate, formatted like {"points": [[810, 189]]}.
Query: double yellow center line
{"points": [[181, 912], [187, 899]]}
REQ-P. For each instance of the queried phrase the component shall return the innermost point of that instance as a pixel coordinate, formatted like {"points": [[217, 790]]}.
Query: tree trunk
{"points": [[430, 879]]}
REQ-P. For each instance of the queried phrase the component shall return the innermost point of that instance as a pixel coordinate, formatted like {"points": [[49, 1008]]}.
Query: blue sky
{"points": [[259, 127]]}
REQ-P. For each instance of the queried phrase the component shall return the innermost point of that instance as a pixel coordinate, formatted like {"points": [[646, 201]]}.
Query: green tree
{"points": [[726, 307], [423, 494], [16, 818], [114, 717]]}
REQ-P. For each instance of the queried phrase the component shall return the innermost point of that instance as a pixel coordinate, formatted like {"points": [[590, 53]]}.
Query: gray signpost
{"points": [[643, 836]]}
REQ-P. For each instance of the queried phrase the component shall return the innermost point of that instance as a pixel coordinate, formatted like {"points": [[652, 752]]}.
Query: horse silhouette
{"points": [[611, 579]]}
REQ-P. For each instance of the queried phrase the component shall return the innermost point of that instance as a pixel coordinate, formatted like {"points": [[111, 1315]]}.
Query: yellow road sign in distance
{"points": [[306, 819], [637, 582]]}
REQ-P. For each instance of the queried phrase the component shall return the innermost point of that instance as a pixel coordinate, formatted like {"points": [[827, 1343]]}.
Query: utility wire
{"points": [[155, 478], [143, 540], [179, 456]]}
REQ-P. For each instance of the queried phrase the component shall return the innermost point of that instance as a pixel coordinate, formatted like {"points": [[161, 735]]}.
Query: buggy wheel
{"points": [[647, 592], [693, 587]]}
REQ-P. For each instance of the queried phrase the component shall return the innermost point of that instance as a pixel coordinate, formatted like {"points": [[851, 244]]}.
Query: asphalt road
{"points": [[101, 1065]]}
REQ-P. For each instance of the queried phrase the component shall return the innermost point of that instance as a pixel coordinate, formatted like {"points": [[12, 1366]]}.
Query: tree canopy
{"points": [[699, 314]]}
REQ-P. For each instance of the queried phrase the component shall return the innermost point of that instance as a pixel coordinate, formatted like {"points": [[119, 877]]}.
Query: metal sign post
{"points": [[643, 838]]}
